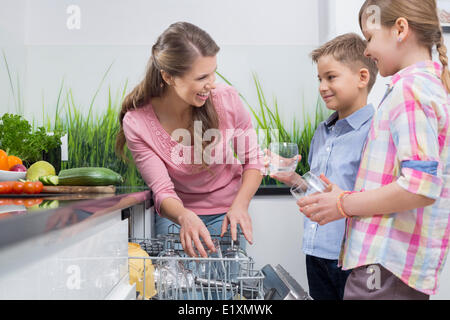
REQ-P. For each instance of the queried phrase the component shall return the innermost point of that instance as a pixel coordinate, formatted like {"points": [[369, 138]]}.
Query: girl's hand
{"points": [[238, 215], [192, 229], [322, 207]]}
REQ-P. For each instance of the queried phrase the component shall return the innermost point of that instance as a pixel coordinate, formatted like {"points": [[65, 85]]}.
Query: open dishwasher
{"points": [[162, 271]]}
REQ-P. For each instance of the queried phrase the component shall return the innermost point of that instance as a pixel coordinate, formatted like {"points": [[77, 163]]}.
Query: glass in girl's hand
{"points": [[308, 184], [283, 157]]}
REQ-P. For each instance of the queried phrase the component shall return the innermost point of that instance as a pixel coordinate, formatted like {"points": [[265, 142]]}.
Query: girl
{"points": [[398, 224], [179, 99]]}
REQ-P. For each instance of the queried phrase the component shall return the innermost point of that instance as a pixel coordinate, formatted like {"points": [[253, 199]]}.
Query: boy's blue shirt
{"points": [[335, 151]]}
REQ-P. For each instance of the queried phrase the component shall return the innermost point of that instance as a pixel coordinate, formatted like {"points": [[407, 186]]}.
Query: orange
{"points": [[3, 160], [12, 161]]}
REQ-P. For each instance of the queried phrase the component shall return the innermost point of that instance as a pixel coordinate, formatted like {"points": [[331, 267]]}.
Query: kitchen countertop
{"points": [[19, 217]]}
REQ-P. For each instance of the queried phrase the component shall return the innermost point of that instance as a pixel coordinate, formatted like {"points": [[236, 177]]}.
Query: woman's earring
{"points": [[400, 39]]}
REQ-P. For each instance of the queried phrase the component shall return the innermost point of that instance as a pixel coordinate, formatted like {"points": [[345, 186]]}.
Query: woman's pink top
{"points": [[171, 170]]}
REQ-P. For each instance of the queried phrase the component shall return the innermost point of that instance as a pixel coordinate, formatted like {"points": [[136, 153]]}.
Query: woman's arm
{"points": [[167, 202], [238, 213], [245, 142], [192, 227]]}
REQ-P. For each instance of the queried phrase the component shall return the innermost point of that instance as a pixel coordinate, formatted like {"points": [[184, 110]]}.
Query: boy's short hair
{"points": [[348, 49]]}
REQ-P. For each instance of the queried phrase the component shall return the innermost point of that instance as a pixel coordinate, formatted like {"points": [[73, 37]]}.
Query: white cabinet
{"points": [[85, 261]]}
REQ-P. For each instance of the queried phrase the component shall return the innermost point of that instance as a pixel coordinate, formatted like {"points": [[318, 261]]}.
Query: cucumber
{"points": [[89, 176], [50, 180], [43, 179]]}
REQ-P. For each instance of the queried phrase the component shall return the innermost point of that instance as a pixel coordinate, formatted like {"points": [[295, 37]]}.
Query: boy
{"points": [[346, 77]]}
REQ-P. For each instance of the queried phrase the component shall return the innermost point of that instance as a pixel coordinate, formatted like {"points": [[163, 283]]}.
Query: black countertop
{"points": [[19, 216]]}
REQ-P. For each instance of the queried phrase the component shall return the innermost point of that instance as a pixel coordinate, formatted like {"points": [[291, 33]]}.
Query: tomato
{"points": [[2, 188], [33, 187], [3, 160], [29, 187], [38, 187], [6, 187], [10, 184], [18, 187], [12, 161]]}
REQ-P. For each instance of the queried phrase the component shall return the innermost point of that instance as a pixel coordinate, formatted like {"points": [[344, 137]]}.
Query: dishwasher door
{"points": [[123, 290]]}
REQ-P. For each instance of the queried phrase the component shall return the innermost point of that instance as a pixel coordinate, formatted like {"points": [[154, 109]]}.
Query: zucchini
{"points": [[89, 176]]}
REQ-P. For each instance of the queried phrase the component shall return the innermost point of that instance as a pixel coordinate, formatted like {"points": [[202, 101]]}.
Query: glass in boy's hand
{"points": [[308, 184], [283, 157]]}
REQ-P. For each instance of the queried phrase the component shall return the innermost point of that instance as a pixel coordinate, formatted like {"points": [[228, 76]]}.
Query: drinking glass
{"points": [[236, 267], [308, 184], [283, 157], [168, 269]]}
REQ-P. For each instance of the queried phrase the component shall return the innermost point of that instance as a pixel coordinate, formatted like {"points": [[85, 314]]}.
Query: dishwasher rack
{"points": [[227, 274]]}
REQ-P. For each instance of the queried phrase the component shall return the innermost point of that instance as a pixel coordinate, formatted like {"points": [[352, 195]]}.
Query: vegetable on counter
{"points": [[18, 168], [39, 169], [19, 138], [50, 180], [14, 162], [10, 162], [18, 187], [4, 160], [88, 176]]}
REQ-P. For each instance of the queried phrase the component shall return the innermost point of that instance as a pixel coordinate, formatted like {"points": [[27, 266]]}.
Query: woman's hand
{"points": [[322, 207], [238, 214], [192, 229]]}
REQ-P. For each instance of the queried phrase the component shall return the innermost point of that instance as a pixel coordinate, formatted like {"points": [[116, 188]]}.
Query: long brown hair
{"points": [[422, 17], [174, 52]]}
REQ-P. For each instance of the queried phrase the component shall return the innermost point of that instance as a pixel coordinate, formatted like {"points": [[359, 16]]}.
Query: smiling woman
{"points": [[179, 93], [172, 56]]}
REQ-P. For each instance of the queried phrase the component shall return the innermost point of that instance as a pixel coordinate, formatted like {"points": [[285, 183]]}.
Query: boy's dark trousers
{"points": [[326, 280]]}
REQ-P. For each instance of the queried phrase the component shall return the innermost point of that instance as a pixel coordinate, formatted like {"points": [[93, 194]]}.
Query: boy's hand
{"points": [[288, 178]]}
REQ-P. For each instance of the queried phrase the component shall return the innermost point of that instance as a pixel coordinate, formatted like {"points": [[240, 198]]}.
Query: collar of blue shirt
{"points": [[356, 119]]}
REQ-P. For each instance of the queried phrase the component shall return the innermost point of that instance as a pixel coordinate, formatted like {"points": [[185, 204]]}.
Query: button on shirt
{"points": [[335, 151]]}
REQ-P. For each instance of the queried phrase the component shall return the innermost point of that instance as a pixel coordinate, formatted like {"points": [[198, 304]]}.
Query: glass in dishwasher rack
{"points": [[227, 274]]}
